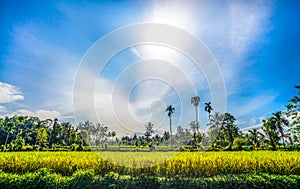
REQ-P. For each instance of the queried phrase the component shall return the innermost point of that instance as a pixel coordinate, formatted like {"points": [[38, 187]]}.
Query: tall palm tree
{"points": [[195, 100], [280, 122], [208, 108], [170, 109]]}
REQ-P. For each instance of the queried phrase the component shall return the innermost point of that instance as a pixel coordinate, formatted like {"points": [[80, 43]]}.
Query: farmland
{"points": [[264, 168]]}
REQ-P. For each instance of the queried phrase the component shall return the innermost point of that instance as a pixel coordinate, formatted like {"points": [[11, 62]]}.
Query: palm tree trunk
{"points": [[197, 118], [171, 131], [6, 138], [283, 140], [273, 144]]}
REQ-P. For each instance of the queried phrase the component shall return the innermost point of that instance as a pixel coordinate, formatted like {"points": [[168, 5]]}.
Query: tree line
{"points": [[30, 133], [281, 130]]}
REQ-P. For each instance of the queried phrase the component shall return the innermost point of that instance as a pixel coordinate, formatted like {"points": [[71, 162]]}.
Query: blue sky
{"points": [[255, 43]]}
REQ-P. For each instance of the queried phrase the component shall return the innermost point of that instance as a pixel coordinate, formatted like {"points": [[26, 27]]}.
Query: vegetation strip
{"points": [[280, 131], [43, 178]]}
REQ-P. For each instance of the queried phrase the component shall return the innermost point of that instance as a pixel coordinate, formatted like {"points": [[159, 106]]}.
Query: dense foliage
{"points": [[87, 179], [30, 133]]}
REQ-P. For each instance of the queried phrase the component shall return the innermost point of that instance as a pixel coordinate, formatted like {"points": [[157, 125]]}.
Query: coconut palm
{"points": [[170, 109], [280, 122], [216, 122], [229, 128], [254, 136], [195, 100], [208, 108], [271, 133], [149, 130]]}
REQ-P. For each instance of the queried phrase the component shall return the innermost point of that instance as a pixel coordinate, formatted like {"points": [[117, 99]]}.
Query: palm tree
{"points": [[166, 136], [280, 122], [216, 122], [195, 100], [269, 127], [208, 108], [194, 128], [170, 109], [229, 128], [149, 130], [254, 136]]}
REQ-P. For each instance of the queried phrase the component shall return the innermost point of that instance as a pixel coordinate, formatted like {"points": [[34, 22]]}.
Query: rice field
{"points": [[167, 164]]}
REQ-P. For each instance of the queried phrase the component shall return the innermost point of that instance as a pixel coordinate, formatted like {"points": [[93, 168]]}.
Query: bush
{"points": [[36, 147], [28, 148], [188, 148], [2, 148], [238, 143]]}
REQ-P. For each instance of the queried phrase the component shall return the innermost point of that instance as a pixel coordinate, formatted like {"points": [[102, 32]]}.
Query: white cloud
{"points": [[42, 114], [48, 114], [9, 93], [248, 22]]}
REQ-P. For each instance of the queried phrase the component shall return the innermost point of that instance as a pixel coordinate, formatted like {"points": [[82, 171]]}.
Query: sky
{"points": [[43, 44]]}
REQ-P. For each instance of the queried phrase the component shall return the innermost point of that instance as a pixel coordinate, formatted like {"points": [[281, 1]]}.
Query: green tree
{"points": [[194, 127], [180, 134], [9, 130], [55, 133], [239, 142], [230, 128], [149, 130], [100, 131], [170, 109], [17, 144], [166, 136], [271, 133], [86, 130], [293, 112], [280, 122], [254, 136], [42, 137], [216, 123]]}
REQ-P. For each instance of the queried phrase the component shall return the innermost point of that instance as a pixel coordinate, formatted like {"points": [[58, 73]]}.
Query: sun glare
{"points": [[177, 14]]}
